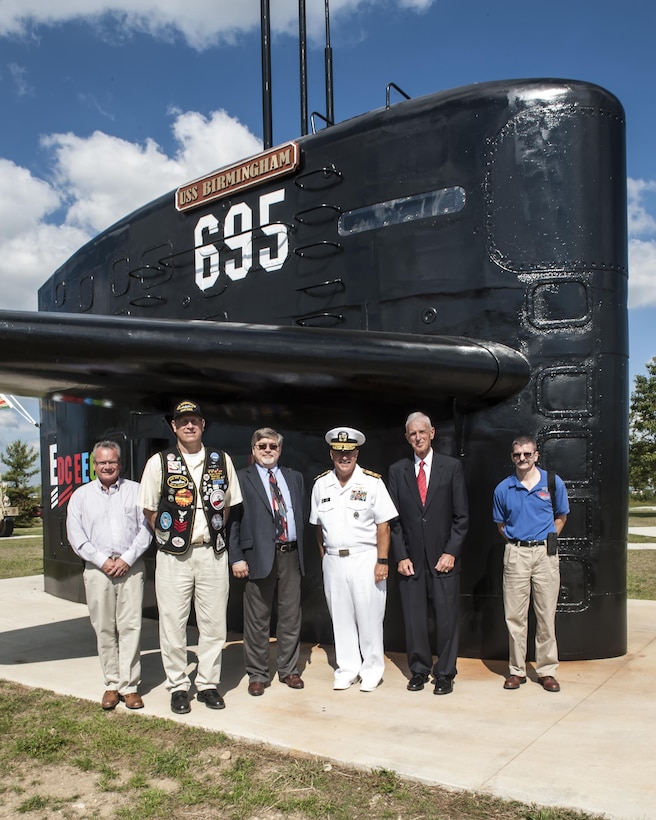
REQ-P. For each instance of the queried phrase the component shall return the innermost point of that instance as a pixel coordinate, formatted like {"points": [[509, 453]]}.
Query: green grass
{"points": [[149, 768], [642, 518], [20, 557], [152, 768], [641, 575], [36, 529]]}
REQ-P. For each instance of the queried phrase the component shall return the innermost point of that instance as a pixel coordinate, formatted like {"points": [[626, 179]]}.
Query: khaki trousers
{"points": [[526, 569], [202, 576], [115, 611]]}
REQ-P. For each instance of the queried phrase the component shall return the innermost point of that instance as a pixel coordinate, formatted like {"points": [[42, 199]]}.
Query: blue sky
{"points": [[106, 106]]}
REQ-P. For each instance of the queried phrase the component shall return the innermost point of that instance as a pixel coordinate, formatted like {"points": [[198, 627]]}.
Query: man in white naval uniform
{"points": [[351, 510]]}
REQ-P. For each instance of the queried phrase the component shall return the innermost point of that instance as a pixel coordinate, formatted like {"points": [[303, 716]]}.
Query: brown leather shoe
{"points": [[294, 681], [514, 682], [549, 683], [110, 700], [133, 700], [256, 688]]}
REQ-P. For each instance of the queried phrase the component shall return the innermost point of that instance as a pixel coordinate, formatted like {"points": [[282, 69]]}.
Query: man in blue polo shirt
{"points": [[527, 518]]}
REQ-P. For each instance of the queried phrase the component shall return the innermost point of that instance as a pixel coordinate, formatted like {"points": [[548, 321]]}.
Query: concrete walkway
{"points": [[649, 532], [591, 747]]}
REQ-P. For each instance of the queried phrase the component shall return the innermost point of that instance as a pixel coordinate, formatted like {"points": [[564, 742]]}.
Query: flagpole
{"points": [[13, 404]]}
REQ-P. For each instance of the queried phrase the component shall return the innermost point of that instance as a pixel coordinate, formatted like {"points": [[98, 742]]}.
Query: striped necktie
{"points": [[279, 509]]}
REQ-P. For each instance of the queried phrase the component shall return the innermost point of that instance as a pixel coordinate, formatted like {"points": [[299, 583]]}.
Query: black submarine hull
{"points": [[464, 254]]}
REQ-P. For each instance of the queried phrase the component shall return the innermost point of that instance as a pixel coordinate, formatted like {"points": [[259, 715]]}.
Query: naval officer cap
{"points": [[344, 438], [187, 408]]}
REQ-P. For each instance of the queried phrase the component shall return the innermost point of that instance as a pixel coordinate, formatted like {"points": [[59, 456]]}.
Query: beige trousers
{"points": [[527, 569], [202, 576], [115, 611]]}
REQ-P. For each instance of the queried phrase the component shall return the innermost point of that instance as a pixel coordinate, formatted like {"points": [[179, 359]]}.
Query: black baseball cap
{"points": [[187, 408]]}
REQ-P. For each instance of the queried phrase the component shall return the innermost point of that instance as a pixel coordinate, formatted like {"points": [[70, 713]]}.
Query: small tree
{"points": [[642, 431], [20, 458]]}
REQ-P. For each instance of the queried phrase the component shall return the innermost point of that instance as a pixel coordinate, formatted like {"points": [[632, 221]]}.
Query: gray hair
{"points": [[415, 417], [266, 432], [106, 445]]}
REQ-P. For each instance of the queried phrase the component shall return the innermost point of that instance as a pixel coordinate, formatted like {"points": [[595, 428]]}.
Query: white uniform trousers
{"points": [[115, 606], [526, 568], [357, 608], [202, 575]]}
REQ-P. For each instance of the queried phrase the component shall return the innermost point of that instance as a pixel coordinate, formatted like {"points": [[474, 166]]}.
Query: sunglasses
{"points": [[526, 455], [267, 446]]}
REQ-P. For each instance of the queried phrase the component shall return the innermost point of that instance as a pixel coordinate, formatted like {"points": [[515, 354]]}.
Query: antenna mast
{"points": [[330, 108], [302, 46], [265, 30]]}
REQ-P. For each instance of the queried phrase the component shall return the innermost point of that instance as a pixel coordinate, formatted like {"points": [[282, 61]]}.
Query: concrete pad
{"points": [[648, 532], [590, 747]]}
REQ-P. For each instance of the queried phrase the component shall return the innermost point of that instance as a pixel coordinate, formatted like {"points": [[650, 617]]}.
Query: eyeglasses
{"points": [[106, 463], [526, 455], [267, 446]]}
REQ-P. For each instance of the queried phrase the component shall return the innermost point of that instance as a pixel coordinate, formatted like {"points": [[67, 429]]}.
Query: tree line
{"points": [[642, 434], [20, 459]]}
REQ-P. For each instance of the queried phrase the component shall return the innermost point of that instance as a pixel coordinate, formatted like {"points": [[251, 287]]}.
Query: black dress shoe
{"points": [[443, 686], [211, 699], [417, 681], [180, 703]]}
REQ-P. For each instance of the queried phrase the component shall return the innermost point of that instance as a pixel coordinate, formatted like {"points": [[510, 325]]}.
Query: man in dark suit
{"points": [[266, 548], [429, 493]]}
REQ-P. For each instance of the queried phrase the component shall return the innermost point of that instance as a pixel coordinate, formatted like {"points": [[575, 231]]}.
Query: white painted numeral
{"points": [[238, 235]]}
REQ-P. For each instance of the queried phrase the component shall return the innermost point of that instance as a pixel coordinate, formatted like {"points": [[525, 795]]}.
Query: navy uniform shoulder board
{"points": [[321, 475], [371, 473]]}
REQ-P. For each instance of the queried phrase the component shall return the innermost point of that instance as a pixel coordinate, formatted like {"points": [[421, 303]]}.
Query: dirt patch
{"points": [[61, 791]]}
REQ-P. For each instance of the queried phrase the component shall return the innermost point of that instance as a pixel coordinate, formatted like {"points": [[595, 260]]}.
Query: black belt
{"points": [[286, 546], [528, 543]]}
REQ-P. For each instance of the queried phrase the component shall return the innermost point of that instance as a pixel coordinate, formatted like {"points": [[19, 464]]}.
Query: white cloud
{"points": [[95, 181], [31, 248], [19, 76], [640, 220], [29, 258], [642, 242], [104, 177], [24, 200], [642, 273], [211, 142], [202, 23]]}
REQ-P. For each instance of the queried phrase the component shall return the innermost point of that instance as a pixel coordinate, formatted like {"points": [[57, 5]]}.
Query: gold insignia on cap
{"points": [[344, 438]]}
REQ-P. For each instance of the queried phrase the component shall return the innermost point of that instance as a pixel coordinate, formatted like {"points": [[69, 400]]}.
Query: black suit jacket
{"points": [[423, 533], [252, 535]]}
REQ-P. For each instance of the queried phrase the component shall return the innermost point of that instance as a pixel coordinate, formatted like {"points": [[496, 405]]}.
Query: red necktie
{"points": [[421, 482]]}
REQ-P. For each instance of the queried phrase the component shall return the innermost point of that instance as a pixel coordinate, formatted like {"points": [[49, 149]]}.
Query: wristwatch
{"points": [[382, 561]]}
